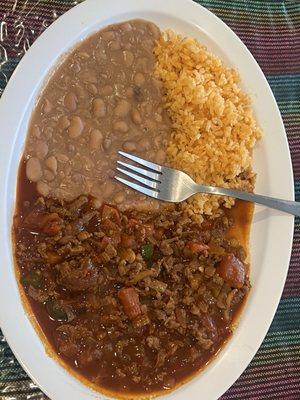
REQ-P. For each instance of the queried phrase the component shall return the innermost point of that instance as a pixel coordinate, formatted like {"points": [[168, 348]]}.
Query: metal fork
{"points": [[168, 184]]}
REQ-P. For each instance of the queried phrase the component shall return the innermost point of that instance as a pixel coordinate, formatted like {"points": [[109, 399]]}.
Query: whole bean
{"points": [[41, 149], [160, 156], [62, 158], [115, 45], [100, 55], [46, 106], [108, 35], [154, 30], [96, 203], [107, 143], [148, 44], [144, 144], [128, 58], [70, 101], [158, 117], [83, 55], [99, 108], [127, 46], [42, 188], [33, 169], [51, 163], [76, 127], [129, 146], [48, 175], [122, 108], [107, 188], [92, 88], [75, 67], [144, 64], [129, 92], [48, 132], [136, 117], [139, 79], [71, 147], [63, 122], [120, 126], [80, 91], [107, 90], [35, 131], [96, 139], [119, 197], [126, 27]]}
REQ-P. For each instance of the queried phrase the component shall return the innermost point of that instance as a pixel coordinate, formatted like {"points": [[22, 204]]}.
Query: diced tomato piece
{"points": [[114, 240], [158, 233], [49, 223], [196, 247], [110, 226], [132, 222], [232, 270], [127, 241], [130, 301], [52, 224], [111, 213]]}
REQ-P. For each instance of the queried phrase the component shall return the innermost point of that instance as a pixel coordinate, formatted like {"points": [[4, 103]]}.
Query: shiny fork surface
{"points": [[168, 184]]}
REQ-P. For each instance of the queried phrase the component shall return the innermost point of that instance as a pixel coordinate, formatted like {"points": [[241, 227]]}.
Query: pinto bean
{"points": [[139, 79], [35, 131], [41, 149], [129, 92], [96, 139], [76, 127], [42, 188], [160, 156], [107, 90], [108, 35], [120, 126], [63, 122], [70, 101], [129, 146], [92, 88], [158, 117], [136, 117], [119, 197], [107, 189], [144, 144], [51, 163], [126, 27], [115, 45], [62, 158], [107, 143], [75, 67], [154, 30], [46, 106], [128, 57], [48, 175], [33, 169], [99, 108], [122, 108], [144, 64]]}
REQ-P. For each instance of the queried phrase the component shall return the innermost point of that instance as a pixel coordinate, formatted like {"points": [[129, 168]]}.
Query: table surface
{"points": [[271, 31]]}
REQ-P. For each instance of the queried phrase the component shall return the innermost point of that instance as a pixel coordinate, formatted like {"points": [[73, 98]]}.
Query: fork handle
{"points": [[290, 207]]}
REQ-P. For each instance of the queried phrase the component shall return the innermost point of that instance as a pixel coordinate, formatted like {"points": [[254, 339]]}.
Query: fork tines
{"points": [[149, 176]]}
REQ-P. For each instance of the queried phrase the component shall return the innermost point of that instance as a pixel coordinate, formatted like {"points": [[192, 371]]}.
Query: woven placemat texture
{"points": [[271, 30]]}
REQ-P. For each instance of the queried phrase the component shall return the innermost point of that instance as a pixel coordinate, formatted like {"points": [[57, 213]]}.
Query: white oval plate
{"points": [[271, 232]]}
